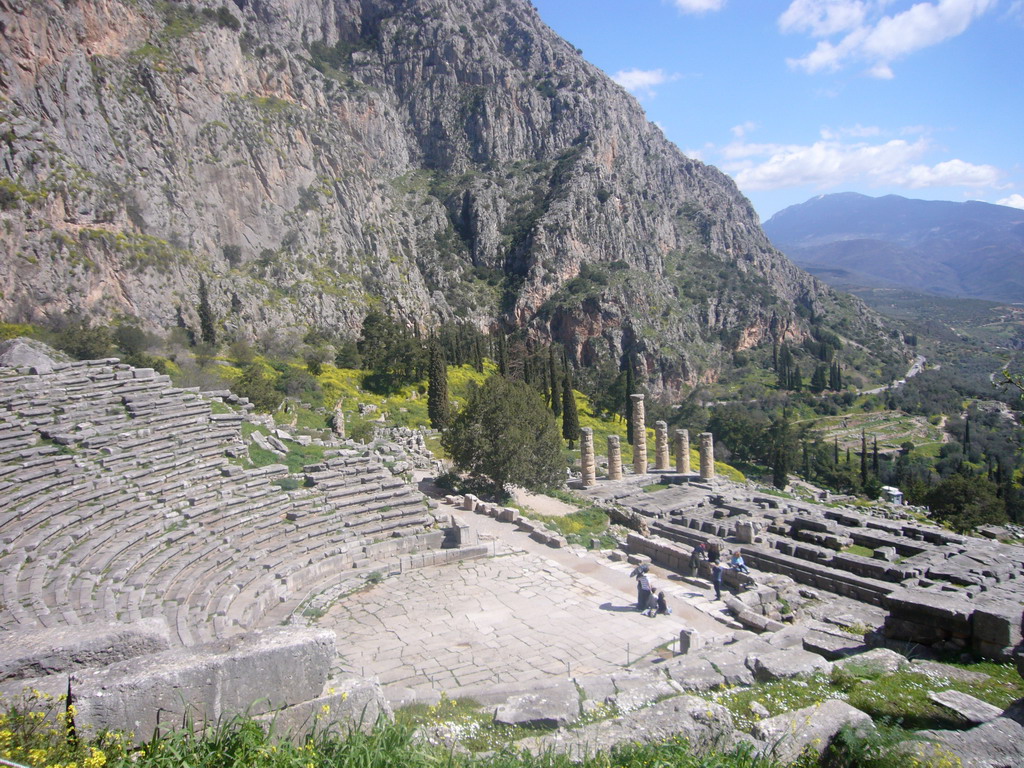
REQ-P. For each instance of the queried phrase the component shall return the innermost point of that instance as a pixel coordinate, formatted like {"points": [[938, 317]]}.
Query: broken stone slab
{"points": [[250, 674], [939, 670], [554, 707], [787, 736], [782, 665], [36, 653], [703, 724], [877, 661], [349, 704], [641, 696], [832, 644], [974, 711], [999, 743], [694, 674]]}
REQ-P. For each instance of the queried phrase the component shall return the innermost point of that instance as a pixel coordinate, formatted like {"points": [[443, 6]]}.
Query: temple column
{"points": [[707, 456], [639, 436]]}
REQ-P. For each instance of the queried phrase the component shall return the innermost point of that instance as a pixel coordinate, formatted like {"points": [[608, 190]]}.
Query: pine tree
{"points": [[438, 403], [207, 328], [570, 418]]}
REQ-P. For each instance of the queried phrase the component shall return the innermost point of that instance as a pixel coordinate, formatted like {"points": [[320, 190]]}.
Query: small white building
{"points": [[892, 495]]}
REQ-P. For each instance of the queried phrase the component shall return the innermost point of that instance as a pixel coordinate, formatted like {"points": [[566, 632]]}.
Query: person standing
{"points": [[643, 589], [716, 579], [699, 553]]}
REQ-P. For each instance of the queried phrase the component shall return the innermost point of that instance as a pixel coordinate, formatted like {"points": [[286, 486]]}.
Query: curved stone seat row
{"points": [[120, 502]]}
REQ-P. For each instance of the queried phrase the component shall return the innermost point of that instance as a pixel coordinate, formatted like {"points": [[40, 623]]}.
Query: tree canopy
{"points": [[506, 435]]}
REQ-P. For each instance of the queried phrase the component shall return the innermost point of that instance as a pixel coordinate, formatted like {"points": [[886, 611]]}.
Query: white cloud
{"points": [[872, 38], [1015, 200], [831, 163], [821, 18], [739, 131], [950, 173], [698, 6], [642, 81]]}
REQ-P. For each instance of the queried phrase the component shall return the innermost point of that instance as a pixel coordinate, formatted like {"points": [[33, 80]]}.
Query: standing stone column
{"points": [[639, 436], [588, 470], [683, 451], [707, 456], [614, 458], [660, 445]]}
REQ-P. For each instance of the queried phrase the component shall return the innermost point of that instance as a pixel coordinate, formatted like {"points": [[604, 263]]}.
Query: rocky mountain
{"points": [[444, 160], [969, 250]]}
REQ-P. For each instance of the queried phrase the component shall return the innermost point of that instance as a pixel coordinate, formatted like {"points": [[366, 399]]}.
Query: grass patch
{"points": [[857, 549], [899, 697], [655, 487], [462, 719], [577, 527]]}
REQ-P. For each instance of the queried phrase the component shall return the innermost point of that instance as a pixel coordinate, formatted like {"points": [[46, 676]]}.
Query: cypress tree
{"points": [[628, 405], [207, 329], [438, 403], [863, 458], [967, 434], [556, 401], [818, 380], [570, 418], [835, 451], [502, 355], [874, 457]]}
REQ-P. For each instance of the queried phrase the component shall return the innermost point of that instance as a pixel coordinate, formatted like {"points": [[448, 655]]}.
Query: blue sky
{"points": [[797, 98]]}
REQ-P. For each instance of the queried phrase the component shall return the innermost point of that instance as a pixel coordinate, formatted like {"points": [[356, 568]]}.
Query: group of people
{"points": [[647, 602], [651, 604]]}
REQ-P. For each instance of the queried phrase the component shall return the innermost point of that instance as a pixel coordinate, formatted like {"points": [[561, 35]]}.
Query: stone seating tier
{"points": [[140, 514]]}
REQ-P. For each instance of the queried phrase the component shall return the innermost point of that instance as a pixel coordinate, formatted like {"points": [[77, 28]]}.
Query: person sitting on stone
{"points": [[738, 564], [662, 604]]}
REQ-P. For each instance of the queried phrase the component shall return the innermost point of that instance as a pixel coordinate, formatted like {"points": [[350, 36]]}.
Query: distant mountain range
{"points": [[970, 250]]}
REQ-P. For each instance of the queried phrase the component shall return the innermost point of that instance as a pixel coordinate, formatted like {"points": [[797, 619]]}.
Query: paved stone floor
{"points": [[527, 613], [505, 619]]}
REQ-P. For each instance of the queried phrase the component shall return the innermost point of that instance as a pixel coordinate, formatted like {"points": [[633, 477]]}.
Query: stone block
{"points": [[640, 696], [833, 645], [36, 653], [780, 665], [469, 502], [786, 736], [352, 703], [997, 626], [508, 514], [253, 673], [689, 641], [694, 674], [873, 662], [553, 707], [974, 711]]}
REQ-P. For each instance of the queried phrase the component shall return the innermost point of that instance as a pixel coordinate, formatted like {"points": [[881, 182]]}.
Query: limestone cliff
{"points": [[445, 159]]}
